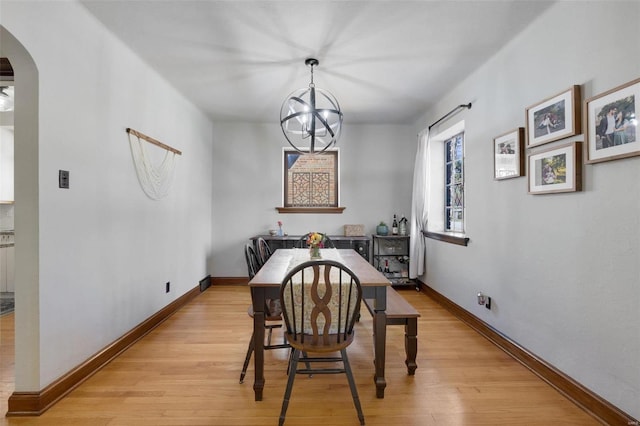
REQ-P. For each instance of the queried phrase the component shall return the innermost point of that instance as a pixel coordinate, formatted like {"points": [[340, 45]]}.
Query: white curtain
{"points": [[419, 207]]}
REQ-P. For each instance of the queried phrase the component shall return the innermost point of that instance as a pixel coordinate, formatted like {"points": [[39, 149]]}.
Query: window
{"points": [[311, 183], [454, 183], [445, 194]]}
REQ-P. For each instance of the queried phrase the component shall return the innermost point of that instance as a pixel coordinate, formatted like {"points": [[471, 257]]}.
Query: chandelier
{"points": [[310, 118]]}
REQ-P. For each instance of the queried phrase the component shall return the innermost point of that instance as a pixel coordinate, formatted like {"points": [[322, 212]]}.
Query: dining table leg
{"points": [[379, 294], [380, 337], [258, 300], [411, 345]]}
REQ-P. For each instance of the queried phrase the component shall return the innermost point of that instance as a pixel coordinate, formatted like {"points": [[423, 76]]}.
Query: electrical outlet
{"points": [[167, 287], [485, 300], [63, 179]]}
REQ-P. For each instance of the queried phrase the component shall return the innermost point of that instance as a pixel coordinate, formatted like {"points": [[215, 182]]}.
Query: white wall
{"points": [[376, 169], [105, 249], [563, 270]]}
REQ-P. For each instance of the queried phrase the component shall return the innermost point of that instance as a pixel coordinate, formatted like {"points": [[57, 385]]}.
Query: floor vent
{"points": [[205, 283]]}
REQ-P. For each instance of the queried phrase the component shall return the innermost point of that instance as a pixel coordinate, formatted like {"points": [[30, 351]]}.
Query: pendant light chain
{"points": [[311, 84]]}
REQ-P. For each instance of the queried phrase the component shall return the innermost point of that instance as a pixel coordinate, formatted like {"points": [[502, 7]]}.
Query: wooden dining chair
{"points": [[263, 250], [273, 313], [326, 241], [250, 256], [273, 319], [320, 301]]}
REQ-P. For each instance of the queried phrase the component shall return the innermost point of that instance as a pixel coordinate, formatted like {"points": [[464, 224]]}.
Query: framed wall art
{"points": [[612, 123], [508, 155], [557, 169], [554, 118]]}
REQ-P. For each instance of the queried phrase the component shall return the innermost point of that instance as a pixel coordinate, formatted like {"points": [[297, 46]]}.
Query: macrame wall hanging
{"points": [[154, 180]]}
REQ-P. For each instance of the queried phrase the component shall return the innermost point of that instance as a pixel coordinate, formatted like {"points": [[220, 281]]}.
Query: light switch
{"points": [[63, 179]]}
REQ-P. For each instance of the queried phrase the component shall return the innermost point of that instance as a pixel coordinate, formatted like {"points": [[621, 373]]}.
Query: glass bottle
{"points": [[402, 228]]}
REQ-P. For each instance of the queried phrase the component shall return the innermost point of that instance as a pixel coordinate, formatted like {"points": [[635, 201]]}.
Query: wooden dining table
{"points": [[266, 285]]}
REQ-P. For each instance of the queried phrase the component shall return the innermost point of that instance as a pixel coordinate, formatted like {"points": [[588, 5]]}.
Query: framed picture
{"points": [[310, 181], [554, 118], [557, 169], [612, 123], [508, 158]]}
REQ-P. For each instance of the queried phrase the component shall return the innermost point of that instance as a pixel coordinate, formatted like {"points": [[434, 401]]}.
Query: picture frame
{"points": [[556, 117], [508, 155], [612, 125], [311, 181], [557, 169]]}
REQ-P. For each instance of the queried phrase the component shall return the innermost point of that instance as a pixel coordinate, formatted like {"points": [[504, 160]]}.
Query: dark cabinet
{"points": [[359, 244]]}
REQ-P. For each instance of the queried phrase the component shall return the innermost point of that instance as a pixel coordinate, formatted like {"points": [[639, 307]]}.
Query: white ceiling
{"points": [[385, 61]]}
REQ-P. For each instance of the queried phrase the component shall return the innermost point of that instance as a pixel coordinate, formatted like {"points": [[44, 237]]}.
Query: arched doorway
{"points": [[26, 211], [7, 250]]}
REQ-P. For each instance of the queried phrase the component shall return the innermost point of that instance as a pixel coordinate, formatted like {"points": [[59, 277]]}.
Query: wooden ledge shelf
{"points": [[336, 210], [447, 238]]}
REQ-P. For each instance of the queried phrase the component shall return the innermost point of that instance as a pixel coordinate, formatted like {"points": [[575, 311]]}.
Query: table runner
{"points": [[302, 255], [340, 292]]}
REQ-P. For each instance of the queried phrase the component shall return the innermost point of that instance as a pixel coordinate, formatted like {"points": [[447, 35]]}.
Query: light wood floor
{"points": [[186, 372]]}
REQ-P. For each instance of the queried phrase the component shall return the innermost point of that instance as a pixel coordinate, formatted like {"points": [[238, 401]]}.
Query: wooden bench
{"points": [[400, 312]]}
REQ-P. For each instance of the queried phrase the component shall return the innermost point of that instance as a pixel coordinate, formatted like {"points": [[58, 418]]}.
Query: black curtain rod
{"points": [[444, 117]]}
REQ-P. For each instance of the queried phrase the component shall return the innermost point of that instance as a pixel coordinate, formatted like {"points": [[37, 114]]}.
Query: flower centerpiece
{"points": [[280, 233], [315, 241]]}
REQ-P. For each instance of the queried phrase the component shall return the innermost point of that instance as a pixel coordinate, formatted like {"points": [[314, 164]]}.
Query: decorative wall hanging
{"points": [[612, 123], [508, 155], [554, 118], [557, 169], [154, 180]]}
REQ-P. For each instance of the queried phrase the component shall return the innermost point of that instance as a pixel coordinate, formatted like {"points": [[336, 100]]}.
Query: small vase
{"points": [[314, 252]]}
